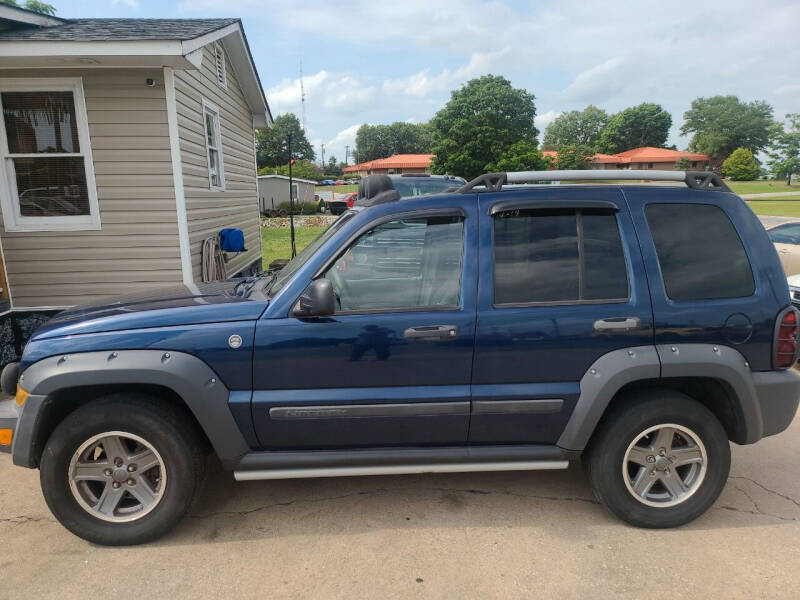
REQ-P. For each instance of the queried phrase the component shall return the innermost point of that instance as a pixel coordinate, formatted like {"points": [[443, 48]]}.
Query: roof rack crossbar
{"points": [[493, 182]]}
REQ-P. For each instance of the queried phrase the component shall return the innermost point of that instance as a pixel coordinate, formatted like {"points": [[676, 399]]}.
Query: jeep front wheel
{"points": [[121, 470]]}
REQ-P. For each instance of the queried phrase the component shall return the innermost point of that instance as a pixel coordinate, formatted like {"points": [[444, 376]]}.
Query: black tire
{"points": [[166, 428], [634, 414]]}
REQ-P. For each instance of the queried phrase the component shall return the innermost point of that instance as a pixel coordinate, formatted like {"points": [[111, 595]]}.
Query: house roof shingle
{"points": [[98, 30]]}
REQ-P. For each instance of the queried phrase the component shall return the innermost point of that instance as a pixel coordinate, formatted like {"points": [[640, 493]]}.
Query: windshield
{"points": [[420, 186], [785, 234], [298, 261]]}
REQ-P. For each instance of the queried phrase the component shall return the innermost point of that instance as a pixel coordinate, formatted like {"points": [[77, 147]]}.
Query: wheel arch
{"points": [[59, 385], [716, 376]]}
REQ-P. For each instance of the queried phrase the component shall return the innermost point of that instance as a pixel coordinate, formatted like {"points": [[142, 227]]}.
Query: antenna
{"points": [[302, 98]]}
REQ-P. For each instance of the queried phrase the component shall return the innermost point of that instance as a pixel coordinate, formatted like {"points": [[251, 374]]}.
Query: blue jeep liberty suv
{"points": [[496, 326]]}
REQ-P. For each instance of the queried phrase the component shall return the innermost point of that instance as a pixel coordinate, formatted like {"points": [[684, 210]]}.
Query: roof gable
{"points": [[176, 43]]}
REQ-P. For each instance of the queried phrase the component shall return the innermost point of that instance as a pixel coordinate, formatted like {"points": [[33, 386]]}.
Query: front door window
{"points": [[402, 265]]}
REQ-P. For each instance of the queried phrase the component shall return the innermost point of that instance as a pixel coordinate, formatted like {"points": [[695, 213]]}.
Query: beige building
{"points": [[125, 143]]}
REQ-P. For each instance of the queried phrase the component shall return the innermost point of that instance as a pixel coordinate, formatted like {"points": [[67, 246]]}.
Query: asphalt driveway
{"points": [[501, 535]]}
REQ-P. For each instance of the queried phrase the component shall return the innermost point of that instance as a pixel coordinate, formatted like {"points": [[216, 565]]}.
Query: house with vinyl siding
{"points": [[125, 143]]}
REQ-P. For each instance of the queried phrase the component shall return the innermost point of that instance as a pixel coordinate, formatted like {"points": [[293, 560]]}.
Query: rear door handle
{"points": [[618, 324], [431, 332]]}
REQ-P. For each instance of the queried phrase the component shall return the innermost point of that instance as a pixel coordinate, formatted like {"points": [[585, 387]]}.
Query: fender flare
{"points": [[616, 369], [190, 378]]}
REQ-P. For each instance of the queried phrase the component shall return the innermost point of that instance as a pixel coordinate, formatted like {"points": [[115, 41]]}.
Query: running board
{"points": [[534, 465], [397, 461]]}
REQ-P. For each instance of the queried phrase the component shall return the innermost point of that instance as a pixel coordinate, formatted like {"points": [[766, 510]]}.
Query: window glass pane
{"points": [[40, 122], [51, 186], [213, 162], [605, 274], [700, 254], [401, 264], [536, 257], [210, 130]]}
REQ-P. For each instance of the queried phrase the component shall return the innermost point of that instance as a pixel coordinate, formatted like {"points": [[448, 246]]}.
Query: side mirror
{"points": [[318, 300]]}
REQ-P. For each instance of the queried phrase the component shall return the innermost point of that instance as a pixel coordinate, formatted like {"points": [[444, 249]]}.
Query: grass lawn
{"points": [[776, 208], [762, 187], [277, 244], [339, 189]]}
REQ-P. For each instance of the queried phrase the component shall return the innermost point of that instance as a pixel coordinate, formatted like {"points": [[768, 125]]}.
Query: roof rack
{"points": [[493, 182]]}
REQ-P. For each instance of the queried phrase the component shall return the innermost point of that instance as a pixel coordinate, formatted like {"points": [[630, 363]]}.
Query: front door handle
{"points": [[431, 333], [618, 324]]}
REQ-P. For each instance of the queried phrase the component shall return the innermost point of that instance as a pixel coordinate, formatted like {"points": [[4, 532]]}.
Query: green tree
{"points": [[302, 169], [521, 156], [784, 154], [271, 146], [333, 168], [34, 5], [380, 141], [683, 164], [479, 125], [741, 165], [574, 156], [575, 127], [644, 125], [721, 124]]}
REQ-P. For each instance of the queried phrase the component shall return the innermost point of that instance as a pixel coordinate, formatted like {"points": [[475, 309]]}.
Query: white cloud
{"points": [[422, 83], [596, 82], [543, 120], [128, 3], [346, 137]]}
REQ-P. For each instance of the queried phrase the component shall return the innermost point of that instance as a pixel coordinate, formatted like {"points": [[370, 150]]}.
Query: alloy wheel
{"points": [[117, 476], [664, 465]]}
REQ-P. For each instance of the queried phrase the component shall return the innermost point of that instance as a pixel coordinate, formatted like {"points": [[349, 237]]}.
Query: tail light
{"points": [[351, 202], [786, 339]]}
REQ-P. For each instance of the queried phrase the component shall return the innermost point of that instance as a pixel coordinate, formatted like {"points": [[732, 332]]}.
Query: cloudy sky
{"points": [[368, 61]]}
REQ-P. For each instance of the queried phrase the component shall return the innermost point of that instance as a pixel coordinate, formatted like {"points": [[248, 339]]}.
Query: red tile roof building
{"points": [[397, 163], [643, 158]]}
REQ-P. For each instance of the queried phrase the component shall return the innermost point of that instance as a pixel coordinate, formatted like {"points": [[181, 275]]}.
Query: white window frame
{"points": [[9, 200], [220, 69], [212, 109]]}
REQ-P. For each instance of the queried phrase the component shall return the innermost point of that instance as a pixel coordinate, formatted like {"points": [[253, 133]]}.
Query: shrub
{"points": [[300, 208], [741, 165]]}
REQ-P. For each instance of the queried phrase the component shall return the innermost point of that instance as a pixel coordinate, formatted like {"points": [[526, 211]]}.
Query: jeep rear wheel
{"points": [[122, 470], [660, 459]]}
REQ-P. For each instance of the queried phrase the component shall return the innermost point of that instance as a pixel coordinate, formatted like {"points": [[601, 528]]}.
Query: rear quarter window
{"points": [[700, 253]]}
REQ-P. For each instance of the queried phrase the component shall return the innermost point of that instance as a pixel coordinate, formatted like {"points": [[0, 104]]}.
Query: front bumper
{"points": [[9, 416], [778, 394]]}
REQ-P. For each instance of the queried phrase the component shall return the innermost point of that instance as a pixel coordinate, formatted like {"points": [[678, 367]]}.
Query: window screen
{"points": [[558, 256], [700, 254]]}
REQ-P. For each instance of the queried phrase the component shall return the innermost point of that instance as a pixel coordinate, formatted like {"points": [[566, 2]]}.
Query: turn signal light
{"points": [[786, 341], [21, 396], [6, 435]]}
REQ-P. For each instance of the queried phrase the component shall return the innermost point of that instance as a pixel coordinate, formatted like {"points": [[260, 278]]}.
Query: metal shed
{"points": [[274, 189]]}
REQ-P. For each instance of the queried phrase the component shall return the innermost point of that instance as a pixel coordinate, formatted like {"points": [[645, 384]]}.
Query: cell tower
{"points": [[302, 97]]}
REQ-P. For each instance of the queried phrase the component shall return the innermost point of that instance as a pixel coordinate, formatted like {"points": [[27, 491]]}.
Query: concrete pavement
{"points": [[472, 535]]}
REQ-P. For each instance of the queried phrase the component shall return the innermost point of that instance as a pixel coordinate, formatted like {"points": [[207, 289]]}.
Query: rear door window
{"points": [[700, 253], [558, 256]]}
